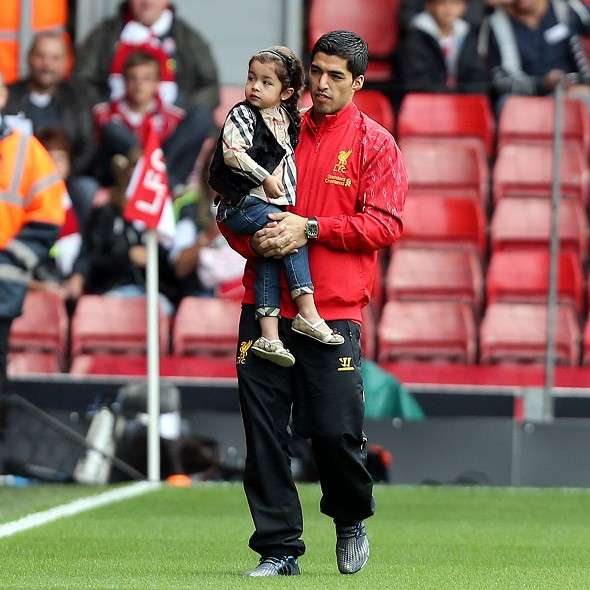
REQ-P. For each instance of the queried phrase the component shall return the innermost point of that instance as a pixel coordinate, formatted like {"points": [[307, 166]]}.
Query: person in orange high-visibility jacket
{"points": [[31, 212]]}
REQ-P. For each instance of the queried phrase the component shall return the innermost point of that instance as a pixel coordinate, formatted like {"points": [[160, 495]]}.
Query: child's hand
{"points": [[273, 187]]}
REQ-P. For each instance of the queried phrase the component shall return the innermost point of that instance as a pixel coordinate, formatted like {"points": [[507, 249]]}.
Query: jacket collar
{"points": [[330, 121]]}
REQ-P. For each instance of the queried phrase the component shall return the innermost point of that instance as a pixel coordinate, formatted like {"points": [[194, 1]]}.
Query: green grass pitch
{"points": [[421, 538]]}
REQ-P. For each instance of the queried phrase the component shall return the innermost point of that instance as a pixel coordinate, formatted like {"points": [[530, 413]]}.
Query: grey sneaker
{"points": [[352, 548], [275, 566]]}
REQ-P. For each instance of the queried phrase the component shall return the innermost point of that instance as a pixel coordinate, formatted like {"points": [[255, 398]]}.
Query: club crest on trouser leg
{"points": [[243, 352]]}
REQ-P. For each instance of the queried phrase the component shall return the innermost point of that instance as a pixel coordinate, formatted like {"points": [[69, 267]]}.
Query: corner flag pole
{"points": [[149, 203], [153, 354]]}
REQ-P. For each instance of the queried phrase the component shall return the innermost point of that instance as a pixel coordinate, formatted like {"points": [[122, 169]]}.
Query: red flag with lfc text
{"points": [[148, 192]]}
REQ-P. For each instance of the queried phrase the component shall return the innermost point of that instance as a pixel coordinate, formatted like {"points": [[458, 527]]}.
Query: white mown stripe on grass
{"points": [[76, 507]]}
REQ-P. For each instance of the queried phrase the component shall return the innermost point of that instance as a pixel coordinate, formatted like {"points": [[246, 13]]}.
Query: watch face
{"points": [[311, 229]]}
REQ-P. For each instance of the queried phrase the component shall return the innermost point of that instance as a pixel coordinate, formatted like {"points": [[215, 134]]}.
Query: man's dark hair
{"points": [[140, 58], [346, 45]]}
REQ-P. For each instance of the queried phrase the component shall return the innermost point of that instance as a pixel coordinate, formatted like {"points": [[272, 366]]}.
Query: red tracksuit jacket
{"points": [[351, 176]]}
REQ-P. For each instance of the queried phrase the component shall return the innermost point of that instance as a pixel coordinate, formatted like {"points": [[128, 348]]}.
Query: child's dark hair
{"points": [[346, 45], [141, 58], [289, 70], [55, 138]]}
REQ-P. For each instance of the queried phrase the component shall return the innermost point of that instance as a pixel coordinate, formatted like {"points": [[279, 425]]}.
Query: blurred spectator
{"points": [[189, 74], [30, 214], [474, 13], [51, 274], [531, 45], [439, 52], [123, 124], [202, 259], [48, 99], [113, 257]]}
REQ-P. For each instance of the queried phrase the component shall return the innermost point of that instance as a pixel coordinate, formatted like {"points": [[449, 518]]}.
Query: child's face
{"points": [[61, 160], [263, 88], [446, 12], [141, 83]]}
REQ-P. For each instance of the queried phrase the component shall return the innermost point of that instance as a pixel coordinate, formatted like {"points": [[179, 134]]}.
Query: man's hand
{"points": [[282, 237], [273, 187]]}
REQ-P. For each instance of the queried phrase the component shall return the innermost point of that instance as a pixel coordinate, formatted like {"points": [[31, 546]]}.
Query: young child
{"points": [[253, 170]]}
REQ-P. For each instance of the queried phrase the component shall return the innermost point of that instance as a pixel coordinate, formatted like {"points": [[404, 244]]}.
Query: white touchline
{"points": [[76, 507]]}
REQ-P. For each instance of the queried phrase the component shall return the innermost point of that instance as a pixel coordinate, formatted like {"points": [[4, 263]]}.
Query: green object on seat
{"points": [[386, 397]]}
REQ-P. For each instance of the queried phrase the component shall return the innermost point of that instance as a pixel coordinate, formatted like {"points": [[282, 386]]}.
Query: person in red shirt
{"points": [[351, 189], [122, 124]]}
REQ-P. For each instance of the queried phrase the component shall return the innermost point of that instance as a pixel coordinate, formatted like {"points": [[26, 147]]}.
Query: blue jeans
{"points": [[247, 218]]}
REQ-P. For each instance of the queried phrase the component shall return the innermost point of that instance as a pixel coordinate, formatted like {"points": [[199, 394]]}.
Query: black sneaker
{"points": [[276, 566], [352, 548]]}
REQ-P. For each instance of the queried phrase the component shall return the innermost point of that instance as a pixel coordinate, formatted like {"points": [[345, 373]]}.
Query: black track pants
{"points": [[326, 389]]}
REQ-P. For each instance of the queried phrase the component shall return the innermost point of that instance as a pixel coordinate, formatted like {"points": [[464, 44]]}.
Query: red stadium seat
{"points": [[417, 144], [33, 363], [206, 326], [525, 223], [435, 275], [586, 351], [445, 169], [374, 20], [525, 171], [377, 106], [228, 97], [524, 276], [517, 332], [436, 221], [112, 324], [372, 102], [530, 119], [369, 333], [42, 327], [448, 116], [411, 330]]}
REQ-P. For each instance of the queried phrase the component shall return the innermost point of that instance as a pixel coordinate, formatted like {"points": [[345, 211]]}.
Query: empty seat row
{"points": [[408, 330], [455, 169], [423, 274], [517, 223], [105, 326], [446, 331]]}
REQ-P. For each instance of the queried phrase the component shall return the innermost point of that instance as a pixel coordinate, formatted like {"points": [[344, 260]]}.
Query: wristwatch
{"points": [[312, 228]]}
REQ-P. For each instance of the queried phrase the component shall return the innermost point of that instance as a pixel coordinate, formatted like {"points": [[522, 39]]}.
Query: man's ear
{"points": [[358, 82], [287, 93]]}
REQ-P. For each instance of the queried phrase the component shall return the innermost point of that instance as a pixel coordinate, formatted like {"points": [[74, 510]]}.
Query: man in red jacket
{"points": [[351, 189]]}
